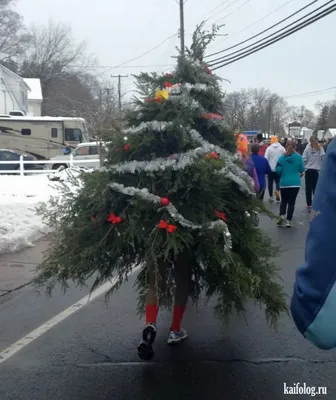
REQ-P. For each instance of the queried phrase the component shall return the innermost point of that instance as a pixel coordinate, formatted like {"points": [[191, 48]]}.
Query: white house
{"points": [[13, 92], [35, 97], [330, 134]]}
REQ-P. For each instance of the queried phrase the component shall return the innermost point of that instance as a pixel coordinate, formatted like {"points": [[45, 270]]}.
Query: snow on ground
{"points": [[20, 227], [19, 224]]}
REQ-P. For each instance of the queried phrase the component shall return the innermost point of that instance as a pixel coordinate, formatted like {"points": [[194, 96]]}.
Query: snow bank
{"points": [[20, 227]]}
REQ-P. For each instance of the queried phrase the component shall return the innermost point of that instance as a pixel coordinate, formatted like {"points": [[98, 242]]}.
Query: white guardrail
{"points": [[22, 171]]}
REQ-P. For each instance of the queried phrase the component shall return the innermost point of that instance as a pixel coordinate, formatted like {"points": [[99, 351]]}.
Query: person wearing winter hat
{"points": [[272, 155], [262, 145]]}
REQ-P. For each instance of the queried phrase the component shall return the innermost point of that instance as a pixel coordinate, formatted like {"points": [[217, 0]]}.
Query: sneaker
{"points": [[277, 195], [281, 221], [288, 224], [145, 349], [271, 199], [309, 208], [177, 337]]}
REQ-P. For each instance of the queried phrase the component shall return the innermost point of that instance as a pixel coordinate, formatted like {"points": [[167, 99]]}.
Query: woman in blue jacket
{"points": [[313, 304], [290, 167]]}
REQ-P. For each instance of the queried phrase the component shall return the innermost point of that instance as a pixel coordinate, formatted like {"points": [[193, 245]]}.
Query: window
{"points": [[9, 156], [73, 135], [93, 150], [54, 132], [81, 151], [25, 132]]}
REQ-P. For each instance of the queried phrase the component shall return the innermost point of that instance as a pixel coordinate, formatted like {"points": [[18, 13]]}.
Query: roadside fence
{"points": [[20, 165]]}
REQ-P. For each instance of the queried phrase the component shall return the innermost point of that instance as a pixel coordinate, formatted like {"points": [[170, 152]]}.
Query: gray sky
{"points": [[118, 31]]}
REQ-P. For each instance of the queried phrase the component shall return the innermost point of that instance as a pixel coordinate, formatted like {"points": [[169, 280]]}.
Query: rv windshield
{"points": [[73, 135]]}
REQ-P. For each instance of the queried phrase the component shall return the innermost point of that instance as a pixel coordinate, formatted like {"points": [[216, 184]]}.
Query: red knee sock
{"points": [[151, 313], [177, 318]]}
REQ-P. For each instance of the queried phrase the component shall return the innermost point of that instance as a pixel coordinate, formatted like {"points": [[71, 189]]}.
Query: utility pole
{"points": [[182, 28], [106, 92], [119, 77]]}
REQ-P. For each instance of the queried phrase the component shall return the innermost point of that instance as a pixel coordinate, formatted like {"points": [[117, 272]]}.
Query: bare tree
{"points": [[256, 109], [13, 37], [53, 51], [62, 65]]}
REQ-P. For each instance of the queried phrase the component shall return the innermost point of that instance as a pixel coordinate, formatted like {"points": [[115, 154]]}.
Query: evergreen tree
{"points": [[322, 121], [173, 190]]}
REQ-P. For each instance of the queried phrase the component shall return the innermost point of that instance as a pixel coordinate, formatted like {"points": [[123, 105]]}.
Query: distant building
{"points": [[35, 97], [13, 93], [330, 134], [294, 129]]}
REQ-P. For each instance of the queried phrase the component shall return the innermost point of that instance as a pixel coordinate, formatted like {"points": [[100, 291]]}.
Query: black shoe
{"points": [[281, 221], [145, 349]]}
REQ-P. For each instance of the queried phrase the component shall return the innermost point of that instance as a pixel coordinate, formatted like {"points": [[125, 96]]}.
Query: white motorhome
{"points": [[43, 137]]}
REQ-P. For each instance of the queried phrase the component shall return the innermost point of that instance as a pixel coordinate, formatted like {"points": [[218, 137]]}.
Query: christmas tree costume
{"points": [[173, 199]]}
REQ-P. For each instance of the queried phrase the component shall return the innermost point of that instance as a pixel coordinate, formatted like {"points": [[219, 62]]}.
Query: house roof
{"points": [[9, 72], [35, 88]]}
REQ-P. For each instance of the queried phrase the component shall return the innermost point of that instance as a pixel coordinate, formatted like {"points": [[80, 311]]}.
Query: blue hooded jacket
{"points": [[313, 304], [289, 168]]}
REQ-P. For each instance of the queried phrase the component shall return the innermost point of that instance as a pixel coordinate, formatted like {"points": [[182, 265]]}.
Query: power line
{"points": [[311, 93], [268, 29], [141, 55], [115, 66], [229, 60], [209, 14], [259, 20], [233, 11]]}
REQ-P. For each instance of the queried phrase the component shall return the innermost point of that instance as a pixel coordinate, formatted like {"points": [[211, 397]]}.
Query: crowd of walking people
{"points": [[284, 161]]}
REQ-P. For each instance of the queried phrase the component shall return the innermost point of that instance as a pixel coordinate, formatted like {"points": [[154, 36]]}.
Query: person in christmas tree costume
{"points": [[174, 200]]}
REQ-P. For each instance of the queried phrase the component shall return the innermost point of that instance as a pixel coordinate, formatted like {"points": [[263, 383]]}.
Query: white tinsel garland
{"points": [[188, 87], [176, 162], [237, 174], [232, 171], [159, 126], [152, 198]]}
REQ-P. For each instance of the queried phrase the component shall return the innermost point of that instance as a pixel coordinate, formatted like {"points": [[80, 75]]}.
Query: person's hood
{"points": [[276, 145], [289, 159]]}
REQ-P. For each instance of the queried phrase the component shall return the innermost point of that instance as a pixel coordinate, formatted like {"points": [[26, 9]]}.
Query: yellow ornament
{"points": [[162, 94]]}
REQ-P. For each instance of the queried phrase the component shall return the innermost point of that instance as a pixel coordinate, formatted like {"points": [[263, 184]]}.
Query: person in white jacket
{"points": [[272, 155]]}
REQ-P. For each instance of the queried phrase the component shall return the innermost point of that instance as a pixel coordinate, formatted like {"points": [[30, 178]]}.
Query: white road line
{"points": [[51, 323]]}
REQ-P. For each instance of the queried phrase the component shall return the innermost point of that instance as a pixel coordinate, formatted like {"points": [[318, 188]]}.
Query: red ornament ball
{"points": [[167, 85], [214, 155], [165, 202], [127, 147]]}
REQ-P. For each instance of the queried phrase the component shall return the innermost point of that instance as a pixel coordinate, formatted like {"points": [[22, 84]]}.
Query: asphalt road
{"points": [[92, 354]]}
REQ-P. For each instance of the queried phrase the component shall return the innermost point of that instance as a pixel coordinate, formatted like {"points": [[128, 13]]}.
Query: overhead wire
{"points": [[265, 30], [233, 11], [259, 20], [208, 15], [253, 49], [320, 91]]}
